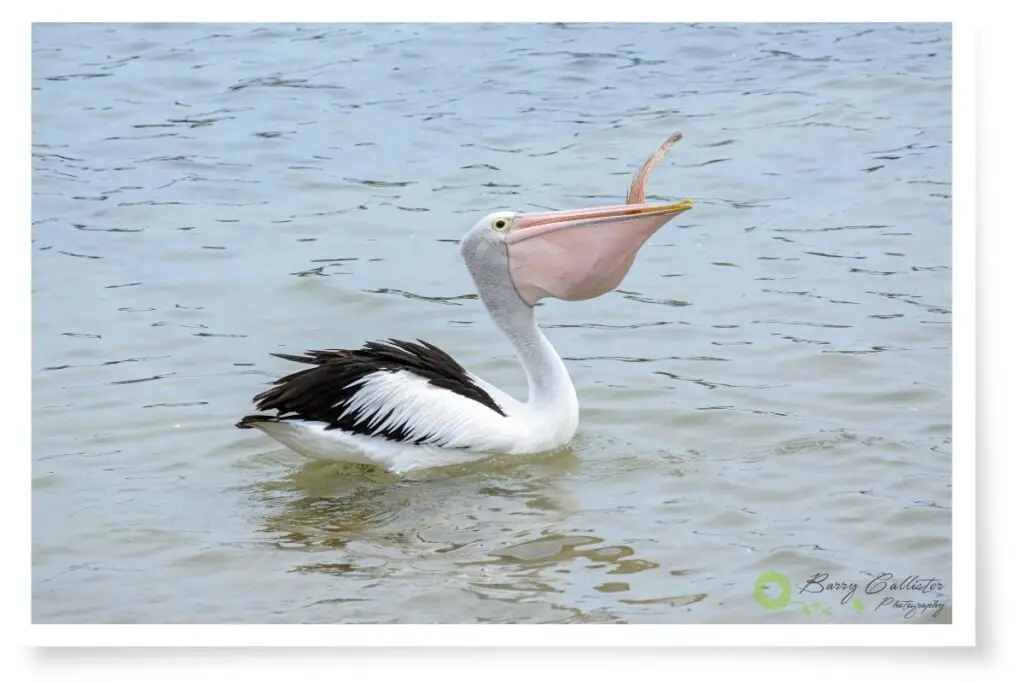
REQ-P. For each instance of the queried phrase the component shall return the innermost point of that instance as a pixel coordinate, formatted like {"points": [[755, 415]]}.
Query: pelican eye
{"points": [[500, 224]]}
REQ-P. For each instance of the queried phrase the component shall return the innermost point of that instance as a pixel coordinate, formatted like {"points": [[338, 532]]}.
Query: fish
{"points": [[639, 186]]}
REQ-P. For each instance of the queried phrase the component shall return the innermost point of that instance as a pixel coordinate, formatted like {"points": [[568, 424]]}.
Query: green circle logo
{"points": [[761, 592]]}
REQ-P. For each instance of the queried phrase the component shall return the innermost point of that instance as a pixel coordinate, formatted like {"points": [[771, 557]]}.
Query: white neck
{"points": [[552, 393]]}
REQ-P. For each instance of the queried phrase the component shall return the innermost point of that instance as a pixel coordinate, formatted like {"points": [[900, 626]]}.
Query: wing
{"points": [[402, 391]]}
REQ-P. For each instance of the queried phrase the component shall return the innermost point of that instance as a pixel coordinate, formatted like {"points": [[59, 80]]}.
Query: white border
{"points": [[961, 632], [507, 635], [964, 296], [299, 11]]}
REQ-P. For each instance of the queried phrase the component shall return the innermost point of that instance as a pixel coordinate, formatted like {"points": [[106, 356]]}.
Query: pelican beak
{"points": [[582, 253]]}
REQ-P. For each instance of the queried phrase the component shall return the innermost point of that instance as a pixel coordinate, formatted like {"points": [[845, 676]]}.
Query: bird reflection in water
{"points": [[324, 506], [502, 531]]}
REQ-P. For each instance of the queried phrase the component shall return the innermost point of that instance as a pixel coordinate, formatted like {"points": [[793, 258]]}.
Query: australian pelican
{"points": [[408, 405]]}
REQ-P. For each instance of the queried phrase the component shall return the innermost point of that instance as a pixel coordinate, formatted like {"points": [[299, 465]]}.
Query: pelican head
{"points": [[571, 255]]}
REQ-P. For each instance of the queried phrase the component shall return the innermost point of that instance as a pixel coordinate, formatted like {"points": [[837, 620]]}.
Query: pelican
{"points": [[408, 405]]}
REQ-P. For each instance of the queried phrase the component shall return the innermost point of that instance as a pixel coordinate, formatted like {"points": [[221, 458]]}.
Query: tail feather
{"points": [[309, 359], [249, 421]]}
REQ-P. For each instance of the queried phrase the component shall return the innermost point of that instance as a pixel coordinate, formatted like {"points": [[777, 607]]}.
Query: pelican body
{"points": [[409, 405]]}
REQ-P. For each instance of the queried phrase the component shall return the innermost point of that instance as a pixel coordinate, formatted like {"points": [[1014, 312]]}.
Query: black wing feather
{"points": [[323, 392]]}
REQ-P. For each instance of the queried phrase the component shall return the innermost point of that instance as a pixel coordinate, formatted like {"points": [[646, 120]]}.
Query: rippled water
{"points": [[769, 391]]}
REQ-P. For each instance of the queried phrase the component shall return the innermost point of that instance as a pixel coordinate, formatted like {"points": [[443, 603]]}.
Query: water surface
{"points": [[769, 390]]}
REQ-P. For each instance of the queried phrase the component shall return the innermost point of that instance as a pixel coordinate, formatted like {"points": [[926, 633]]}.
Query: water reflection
{"points": [[500, 532], [567, 571], [554, 549], [326, 506]]}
